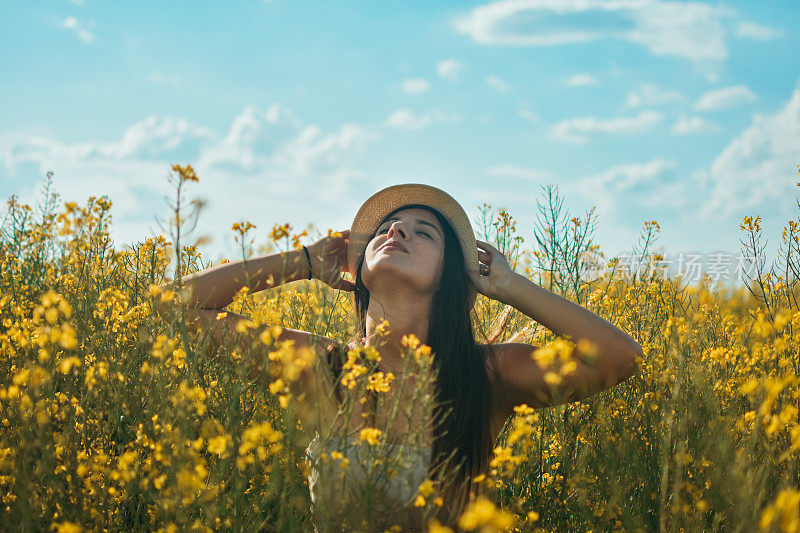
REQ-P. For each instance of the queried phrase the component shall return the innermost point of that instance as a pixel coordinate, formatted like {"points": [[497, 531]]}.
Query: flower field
{"points": [[116, 415]]}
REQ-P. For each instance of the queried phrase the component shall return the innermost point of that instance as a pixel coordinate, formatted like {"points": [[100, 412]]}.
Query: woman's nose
{"points": [[396, 228]]}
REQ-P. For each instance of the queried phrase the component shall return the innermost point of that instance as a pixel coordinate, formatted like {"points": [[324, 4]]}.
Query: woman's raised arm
{"points": [[215, 287], [209, 291]]}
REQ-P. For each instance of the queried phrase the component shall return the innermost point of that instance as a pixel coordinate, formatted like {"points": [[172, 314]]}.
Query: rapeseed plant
{"points": [[117, 413]]}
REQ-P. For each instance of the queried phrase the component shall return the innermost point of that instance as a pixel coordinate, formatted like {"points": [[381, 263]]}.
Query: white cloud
{"points": [[84, 33], [156, 137], [159, 78], [497, 84], [450, 69], [650, 94], [751, 30], [623, 177], [151, 138], [312, 149], [415, 85], [689, 30], [694, 125], [514, 171], [409, 120], [581, 129], [527, 114], [580, 80], [276, 139], [640, 183], [266, 165], [758, 168], [724, 98]]}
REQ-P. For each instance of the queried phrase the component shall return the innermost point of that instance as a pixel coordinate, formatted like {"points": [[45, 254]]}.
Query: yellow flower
{"points": [[67, 527], [426, 488], [243, 227], [186, 173], [523, 409], [482, 513], [749, 386], [410, 341], [521, 428], [370, 435], [270, 334], [218, 445], [276, 386], [568, 368], [21, 377], [279, 231], [552, 379], [383, 327], [504, 457], [67, 364], [68, 339], [379, 382], [167, 296], [372, 353], [587, 348], [245, 324], [51, 315], [785, 510], [422, 353], [544, 356], [354, 370], [49, 298], [434, 526]]}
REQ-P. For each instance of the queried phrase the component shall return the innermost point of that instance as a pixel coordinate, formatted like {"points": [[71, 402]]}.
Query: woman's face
{"points": [[419, 232]]}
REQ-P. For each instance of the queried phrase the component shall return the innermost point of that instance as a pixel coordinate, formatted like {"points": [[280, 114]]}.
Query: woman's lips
{"points": [[394, 246]]}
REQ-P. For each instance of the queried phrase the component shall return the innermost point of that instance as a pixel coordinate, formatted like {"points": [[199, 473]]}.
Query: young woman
{"points": [[416, 264]]}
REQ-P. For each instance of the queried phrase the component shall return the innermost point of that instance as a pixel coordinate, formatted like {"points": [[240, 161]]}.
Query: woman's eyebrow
{"points": [[419, 221]]}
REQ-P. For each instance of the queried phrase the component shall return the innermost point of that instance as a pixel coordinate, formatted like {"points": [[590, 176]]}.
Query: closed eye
{"points": [[422, 232]]}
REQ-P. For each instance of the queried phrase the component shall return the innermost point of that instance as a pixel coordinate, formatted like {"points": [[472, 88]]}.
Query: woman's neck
{"points": [[404, 318]]}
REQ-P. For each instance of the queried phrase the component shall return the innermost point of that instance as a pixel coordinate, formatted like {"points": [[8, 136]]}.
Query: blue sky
{"points": [[687, 113]]}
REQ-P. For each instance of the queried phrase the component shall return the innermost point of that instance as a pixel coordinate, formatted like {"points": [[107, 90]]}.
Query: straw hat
{"points": [[383, 202]]}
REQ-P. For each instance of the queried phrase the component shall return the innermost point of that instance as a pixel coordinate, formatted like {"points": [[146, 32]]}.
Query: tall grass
{"points": [[115, 417]]}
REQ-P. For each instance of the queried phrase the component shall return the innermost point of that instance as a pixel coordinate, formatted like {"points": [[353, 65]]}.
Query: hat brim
{"points": [[383, 202]]}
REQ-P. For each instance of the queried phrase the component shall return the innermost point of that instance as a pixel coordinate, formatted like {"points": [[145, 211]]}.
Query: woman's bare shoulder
{"points": [[490, 352]]}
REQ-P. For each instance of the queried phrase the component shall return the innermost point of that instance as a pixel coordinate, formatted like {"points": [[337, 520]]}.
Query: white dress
{"points": [[380, 483]]}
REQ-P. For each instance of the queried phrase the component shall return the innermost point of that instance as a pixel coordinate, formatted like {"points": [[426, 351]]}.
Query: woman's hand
{"points": [[329, 260], [495, 272]]}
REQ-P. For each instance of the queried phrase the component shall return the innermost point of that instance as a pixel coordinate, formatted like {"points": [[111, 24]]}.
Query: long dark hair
{"points": [[462, 412]]}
